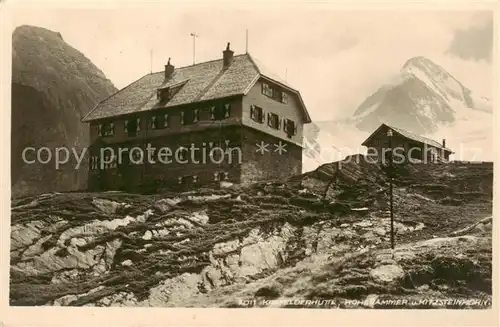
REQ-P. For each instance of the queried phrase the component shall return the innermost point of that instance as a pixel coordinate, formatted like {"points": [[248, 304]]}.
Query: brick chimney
{"points": [[444, 143], [227, 57], [169, 70]]}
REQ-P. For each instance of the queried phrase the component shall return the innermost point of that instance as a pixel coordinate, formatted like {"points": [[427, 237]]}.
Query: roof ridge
{"points": [[253, 63], [425, 138], [200, 63]]}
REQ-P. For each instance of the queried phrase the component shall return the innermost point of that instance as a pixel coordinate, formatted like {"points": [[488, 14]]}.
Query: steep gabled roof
{"points": [[200, 82], [408, 135]]}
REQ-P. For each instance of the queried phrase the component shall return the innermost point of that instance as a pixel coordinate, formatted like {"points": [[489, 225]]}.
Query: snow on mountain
{"points": [[424, 99]]}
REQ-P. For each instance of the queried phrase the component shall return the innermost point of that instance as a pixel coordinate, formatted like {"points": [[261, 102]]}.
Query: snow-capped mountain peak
{"points": [[437, 79], [424, 97]]}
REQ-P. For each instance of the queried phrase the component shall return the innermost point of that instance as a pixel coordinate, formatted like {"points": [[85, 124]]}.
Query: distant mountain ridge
{"points": [[53, 87]]}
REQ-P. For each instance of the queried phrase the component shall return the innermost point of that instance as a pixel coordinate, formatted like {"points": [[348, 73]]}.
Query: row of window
{"points": [[110, 162], [191, 116], [218, 176], [274, 93], [133, 126], [200, 154], [273, 120]]}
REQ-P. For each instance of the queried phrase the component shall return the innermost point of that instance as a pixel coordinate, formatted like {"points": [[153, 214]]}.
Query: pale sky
{"points": [[335, 58]]}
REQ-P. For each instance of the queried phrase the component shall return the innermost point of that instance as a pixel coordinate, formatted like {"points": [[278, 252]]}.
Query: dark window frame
{"points": [[273, 120], [161, 121], [190, 116], [268, 90], [130, 129], [284, 97], [289, 127], [106, 132], [257, 114]]}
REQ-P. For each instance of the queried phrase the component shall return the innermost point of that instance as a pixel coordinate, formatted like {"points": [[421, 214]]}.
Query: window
{"points": [[257, 114], [183, 153], [267, 90], [274, 93], [164, 94], [290, 127], [136, 158], [132, 126], [220, 176], [220, 112], [94, 163], [110, 162], [106, 129], [158, 121], [189, 116], [284, 97], [114, 162], [273, 120]]}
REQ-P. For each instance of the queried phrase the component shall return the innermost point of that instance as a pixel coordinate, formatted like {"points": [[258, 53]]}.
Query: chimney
{"points": [[227, 56], [444, 143], [169, 70]]}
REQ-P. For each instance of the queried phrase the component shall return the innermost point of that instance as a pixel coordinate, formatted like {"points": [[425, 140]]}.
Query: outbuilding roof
{"points": [[408, 135]]}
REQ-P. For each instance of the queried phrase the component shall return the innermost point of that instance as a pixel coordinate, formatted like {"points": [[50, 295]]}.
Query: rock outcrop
{"points": [[283, 240]]}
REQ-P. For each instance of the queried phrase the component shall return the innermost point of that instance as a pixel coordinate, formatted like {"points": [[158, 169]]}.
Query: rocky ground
{"points": [[322, 236]]}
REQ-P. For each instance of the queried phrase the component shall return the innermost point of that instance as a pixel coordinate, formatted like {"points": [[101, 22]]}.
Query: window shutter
{"points": [[262, 116], [285, 126], [125, 126], [111, 128], [252, 111], [165, 122], [227, 111], [226, 175], [216, 176], [212, 113], [195, 118], [138, 124], [182, 117], [269, 119], [284, 97], [99, 129], [279, 123]]}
